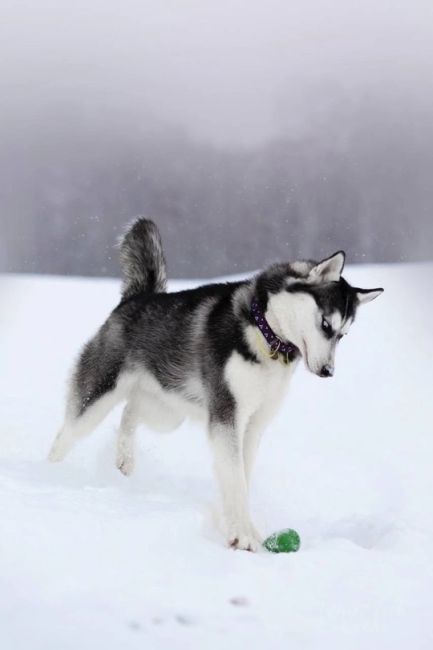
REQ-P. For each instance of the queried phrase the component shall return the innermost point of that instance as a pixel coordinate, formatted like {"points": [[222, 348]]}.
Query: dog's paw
{"points": [[245, 538], [125, 455], [125, 464], [57, 453]]}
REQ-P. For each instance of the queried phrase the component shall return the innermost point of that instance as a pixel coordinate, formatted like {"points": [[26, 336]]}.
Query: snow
{"points": [[89, 558]]}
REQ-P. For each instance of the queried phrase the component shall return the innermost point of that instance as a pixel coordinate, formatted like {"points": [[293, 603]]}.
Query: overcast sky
{"points": [[232, 72], [210, 112]]}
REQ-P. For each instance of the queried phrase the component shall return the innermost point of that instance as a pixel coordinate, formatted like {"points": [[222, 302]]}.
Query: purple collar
{"points": [[276, 345]]}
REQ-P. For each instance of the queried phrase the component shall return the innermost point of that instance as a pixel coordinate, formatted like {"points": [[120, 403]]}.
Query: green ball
{"points": [[284, 541]]}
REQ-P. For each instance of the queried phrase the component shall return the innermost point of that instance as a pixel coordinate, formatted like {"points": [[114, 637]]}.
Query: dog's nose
{"points": [[327, 371]]}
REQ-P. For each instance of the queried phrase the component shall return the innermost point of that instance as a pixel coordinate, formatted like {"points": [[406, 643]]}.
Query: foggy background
{"points": [[250, 131]]}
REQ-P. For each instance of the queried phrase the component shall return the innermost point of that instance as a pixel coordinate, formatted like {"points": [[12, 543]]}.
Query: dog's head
{"points": [[312, 305]]}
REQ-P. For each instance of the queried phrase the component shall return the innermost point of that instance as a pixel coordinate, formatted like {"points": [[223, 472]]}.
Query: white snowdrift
{"points": [[89, 559]]}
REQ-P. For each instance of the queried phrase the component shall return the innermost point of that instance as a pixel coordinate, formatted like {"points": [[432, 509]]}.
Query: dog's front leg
{"points": [[226, 443], [253, 434]]}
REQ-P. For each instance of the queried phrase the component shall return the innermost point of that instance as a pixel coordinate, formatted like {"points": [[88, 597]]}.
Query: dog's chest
{"points": [[255, 385]]}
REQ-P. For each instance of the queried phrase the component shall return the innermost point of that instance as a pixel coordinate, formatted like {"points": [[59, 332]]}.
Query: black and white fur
{"points": [[198, 353]]}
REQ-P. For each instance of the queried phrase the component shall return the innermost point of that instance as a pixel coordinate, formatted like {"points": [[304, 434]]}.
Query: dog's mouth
{"points": [[305, 355], [307, 361]]}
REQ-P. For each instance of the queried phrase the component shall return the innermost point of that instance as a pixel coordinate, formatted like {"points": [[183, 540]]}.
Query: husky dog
{"points": [[222, 352]]}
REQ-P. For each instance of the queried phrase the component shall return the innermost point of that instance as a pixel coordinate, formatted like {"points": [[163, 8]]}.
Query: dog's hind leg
{"points": [[97, 385], [126, 436], [86, 409], [152, 411], [78, 425]]}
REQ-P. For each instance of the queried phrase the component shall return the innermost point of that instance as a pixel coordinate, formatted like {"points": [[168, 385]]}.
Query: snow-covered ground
{"points": [[90, 559]]}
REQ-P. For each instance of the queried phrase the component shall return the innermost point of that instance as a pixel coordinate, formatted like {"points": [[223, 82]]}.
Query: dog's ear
{"points": [[329, 269], [367, 295]]}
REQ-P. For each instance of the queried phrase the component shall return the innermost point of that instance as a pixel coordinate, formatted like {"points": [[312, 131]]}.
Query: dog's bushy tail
{"points": [[142, 260]]}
